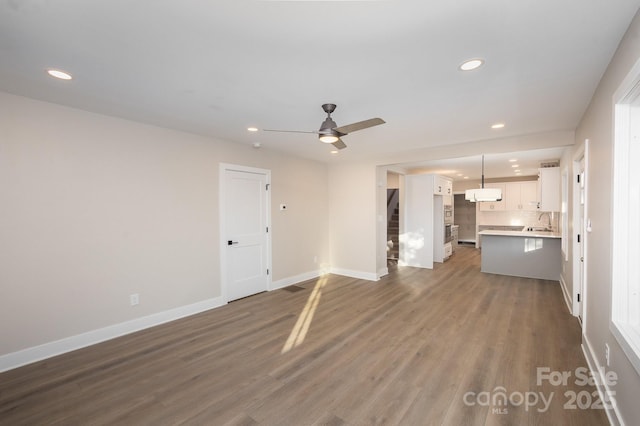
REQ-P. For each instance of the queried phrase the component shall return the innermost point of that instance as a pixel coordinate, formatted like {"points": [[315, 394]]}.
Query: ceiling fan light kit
{"points": [[328, 138], [330, 133]]}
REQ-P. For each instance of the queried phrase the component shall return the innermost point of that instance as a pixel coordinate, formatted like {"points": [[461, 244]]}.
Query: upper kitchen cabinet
{"points": [[549, 189], [491, 206], [442, 185], [521, 196]]}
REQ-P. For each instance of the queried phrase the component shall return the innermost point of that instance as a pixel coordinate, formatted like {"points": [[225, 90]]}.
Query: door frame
{"points": [[580, 268], [222, 203]]}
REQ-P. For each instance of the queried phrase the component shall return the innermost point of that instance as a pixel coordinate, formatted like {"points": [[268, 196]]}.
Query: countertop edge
{"points": [[526, 234]]}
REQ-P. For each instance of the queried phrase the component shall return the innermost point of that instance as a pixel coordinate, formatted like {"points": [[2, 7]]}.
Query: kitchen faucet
{"points": [[548, 218]]}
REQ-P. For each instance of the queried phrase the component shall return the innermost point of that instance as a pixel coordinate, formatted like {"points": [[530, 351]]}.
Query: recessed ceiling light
{"points": [[62, 75], [466, 177], [459, 174], [497, 126], [517, 171], [513, 160], [471, 64], [252, 129], [518, 174], [515, 165], [334, 152]]}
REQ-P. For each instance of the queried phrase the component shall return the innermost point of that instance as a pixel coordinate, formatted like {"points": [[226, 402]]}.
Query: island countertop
{"points": [[528, 234]]}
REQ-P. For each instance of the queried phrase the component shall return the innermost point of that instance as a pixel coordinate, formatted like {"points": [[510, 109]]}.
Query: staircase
{"points": [[393, 226]]}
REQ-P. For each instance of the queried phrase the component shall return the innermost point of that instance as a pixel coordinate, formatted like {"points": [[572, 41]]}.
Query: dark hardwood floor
{"points": [[419, 347]]}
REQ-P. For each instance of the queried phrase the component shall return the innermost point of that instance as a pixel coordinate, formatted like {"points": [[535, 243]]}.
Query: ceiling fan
{"points": [[330, 133]]}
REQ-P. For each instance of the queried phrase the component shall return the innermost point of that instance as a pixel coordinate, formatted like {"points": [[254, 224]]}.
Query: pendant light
{"points": [[483, 194]]}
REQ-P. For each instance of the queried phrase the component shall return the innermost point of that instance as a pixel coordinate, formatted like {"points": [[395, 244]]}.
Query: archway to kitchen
{"points": [[514, 169]]}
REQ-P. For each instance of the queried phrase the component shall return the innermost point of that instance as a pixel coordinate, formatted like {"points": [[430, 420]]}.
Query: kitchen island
{"points": [[527, 254]]}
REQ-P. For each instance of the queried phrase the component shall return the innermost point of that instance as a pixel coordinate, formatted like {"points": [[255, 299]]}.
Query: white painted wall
{"points": [[353, 191], [596, 125], [416, 242], [393, 180], [95, 208]]}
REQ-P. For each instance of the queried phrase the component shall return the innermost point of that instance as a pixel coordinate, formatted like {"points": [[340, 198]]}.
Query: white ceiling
{"points": [[216, 67], [495, 165]]}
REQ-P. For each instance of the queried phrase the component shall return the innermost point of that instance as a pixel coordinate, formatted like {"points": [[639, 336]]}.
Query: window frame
{"points": [[625, 272]]}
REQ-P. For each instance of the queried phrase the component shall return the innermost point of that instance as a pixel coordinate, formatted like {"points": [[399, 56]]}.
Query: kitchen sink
{"points": [[537, 229]]}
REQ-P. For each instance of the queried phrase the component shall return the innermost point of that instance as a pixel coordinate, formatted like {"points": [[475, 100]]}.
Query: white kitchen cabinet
{"points": [[490, 206], [521, 196], [549, 189], [442, 185], [448, 250]]}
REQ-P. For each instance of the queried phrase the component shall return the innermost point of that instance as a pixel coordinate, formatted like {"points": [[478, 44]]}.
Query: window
{"points": [[625, 310]]}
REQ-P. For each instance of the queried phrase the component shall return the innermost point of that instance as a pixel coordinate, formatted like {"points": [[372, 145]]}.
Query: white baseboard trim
{"points": [[286, 282], [382, 272], [568, 299], [47, 350], [602, 385], [355, 274], [68, 344]]}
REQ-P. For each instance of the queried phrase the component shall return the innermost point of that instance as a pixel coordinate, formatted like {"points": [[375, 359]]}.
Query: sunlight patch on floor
{"points": [[299, 331]]}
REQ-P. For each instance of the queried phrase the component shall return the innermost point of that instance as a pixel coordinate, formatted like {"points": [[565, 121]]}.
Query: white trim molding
{"points": [[355, 274], [72, 343], [567, 298], [68, 344], [602, 385], [286, 282]]}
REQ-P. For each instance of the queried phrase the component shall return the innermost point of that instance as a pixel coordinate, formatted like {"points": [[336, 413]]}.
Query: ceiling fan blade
{"points": [[339, 144], [359, 125], [288, 131]]}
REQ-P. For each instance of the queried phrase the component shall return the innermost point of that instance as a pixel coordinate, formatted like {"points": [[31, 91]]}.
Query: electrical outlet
{"points": [[606, 353], [134, 299]]}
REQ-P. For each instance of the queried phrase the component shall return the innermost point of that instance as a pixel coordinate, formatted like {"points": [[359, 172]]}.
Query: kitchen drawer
{"points": [[448, 250]]}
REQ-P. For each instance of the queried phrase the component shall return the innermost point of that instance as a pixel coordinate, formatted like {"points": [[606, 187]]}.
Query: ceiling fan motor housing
{"points": [[327, 132], [329, 108], [327, 126]]}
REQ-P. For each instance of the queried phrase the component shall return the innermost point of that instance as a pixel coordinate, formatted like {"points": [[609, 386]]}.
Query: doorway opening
{"points": [[464, 215], [393, 226]]}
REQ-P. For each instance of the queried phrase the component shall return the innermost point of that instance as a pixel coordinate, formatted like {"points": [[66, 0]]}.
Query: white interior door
{"points": [[580, 240], [579, 237], [245, 233]]}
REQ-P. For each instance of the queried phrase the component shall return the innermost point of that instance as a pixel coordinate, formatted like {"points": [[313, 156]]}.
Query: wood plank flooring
{"points": [[407, 350]]}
